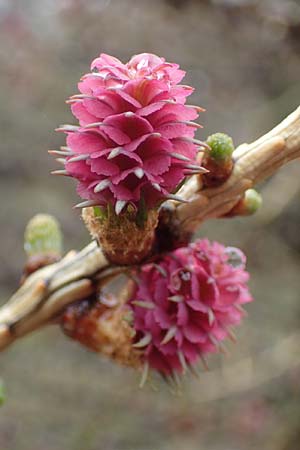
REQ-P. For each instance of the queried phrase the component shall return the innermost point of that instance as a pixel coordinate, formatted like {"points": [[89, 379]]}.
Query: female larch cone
{"points": [[171, 314], [135, 140], [184, 307]]}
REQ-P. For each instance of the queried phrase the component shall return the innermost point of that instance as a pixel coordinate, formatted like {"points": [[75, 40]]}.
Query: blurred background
{"points": [[243, 57]]}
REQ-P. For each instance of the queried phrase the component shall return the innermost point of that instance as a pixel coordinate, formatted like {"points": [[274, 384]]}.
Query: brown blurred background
{"points": [[243, 57]]}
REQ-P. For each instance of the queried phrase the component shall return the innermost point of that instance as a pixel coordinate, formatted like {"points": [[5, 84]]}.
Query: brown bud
{"points": [[122, 238], [102, 326], [217, 174]]}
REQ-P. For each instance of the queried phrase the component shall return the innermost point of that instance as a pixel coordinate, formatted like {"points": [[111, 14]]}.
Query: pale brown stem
{"points": [[253, 163], [46, 293], [49, 290]]}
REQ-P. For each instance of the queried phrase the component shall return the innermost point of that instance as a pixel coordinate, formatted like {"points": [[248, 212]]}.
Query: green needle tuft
{"points": [[42, 236], [252, 200], [221, 147]]}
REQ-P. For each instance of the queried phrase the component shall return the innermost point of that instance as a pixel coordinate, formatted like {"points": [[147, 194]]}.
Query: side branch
{"points": [[253, 163]]}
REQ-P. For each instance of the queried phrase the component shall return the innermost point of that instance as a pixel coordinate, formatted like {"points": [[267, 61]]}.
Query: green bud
{"points": [[221, 147], [2, 396], [42, 236], [252, 201], [247, 205]]}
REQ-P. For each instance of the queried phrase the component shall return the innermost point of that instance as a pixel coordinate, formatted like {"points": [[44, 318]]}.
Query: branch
{"points": [[46, 293], [253, 163], [49, 290]]}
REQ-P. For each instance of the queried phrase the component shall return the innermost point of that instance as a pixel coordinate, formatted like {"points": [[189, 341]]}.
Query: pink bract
{"points": [[135, 139], [184, 308]]}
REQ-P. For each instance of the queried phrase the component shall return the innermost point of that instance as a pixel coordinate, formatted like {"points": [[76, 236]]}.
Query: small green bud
{"points": [[2, 395], [221, 147], [252, 201], [42, 236], [247, 205], [218, 160]]}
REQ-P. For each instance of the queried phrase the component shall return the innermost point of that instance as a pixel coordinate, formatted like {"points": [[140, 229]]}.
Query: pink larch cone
{"points": [[184, 307], [135, 140]]}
